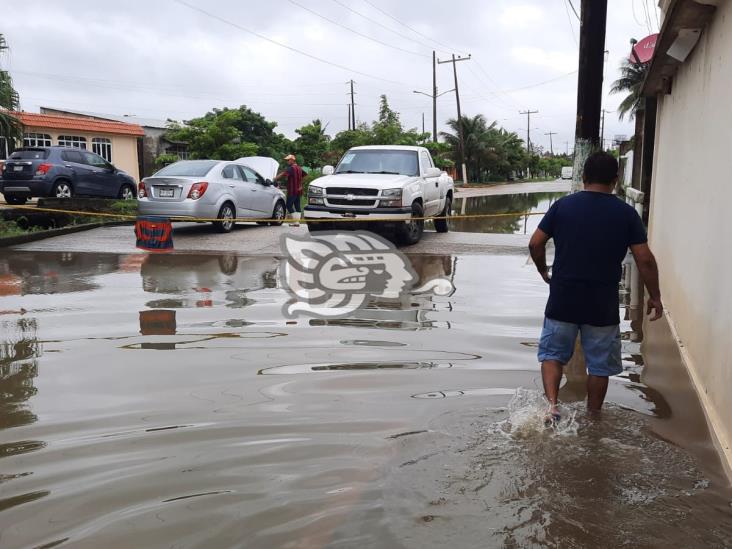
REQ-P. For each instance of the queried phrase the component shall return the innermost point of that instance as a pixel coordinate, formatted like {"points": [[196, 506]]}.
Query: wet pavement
{"points": [[164, 401]]}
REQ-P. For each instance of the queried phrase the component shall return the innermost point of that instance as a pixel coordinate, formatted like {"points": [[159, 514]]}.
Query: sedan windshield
{"points": [[380, 161], [188, 168]]}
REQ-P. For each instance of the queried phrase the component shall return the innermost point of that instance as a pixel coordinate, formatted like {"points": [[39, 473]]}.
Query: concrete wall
{"points": [[690, 230], [124, 147]]}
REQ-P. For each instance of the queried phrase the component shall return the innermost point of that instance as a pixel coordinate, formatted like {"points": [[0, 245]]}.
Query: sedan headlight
{"points": [[393, 198], [314, 190]]}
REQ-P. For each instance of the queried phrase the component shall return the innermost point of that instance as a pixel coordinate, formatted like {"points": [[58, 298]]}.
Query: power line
{"points": [[540, 83], [362, 35], [377, 8], [280, 44], [574, 10], [378, 23], [569, 20]]}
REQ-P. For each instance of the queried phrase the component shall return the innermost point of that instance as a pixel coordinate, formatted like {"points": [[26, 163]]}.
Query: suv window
{"points": [[30, 154], [426, 162], [94, 160], [72, 156], [230, 172]]}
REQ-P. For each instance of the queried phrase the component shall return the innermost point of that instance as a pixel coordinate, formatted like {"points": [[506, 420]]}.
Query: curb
{"points": [[42, 235]]}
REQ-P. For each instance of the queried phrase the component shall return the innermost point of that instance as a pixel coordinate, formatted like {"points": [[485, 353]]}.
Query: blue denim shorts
{"points": [[601, 345]]}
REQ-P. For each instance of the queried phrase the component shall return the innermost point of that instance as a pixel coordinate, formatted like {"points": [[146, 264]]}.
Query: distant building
{"points": [[685, 171], [115, 141], [153, 144]]}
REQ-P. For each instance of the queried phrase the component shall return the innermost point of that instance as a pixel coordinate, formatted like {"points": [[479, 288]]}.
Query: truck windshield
{"points": [[380, 161]]}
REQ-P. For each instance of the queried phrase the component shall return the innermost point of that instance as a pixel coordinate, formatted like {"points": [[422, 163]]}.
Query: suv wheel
{"points": [[62, 189], [226, 218], [442, 225], [410, 232], [15, 200], [126, 192]]}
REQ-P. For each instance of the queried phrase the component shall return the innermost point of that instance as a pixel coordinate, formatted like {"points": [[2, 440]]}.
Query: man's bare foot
{"points": [[553, 416]]}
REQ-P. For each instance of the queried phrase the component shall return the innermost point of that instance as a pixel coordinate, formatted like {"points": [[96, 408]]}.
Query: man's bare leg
{"points": [[551, 375], [596, 391]]}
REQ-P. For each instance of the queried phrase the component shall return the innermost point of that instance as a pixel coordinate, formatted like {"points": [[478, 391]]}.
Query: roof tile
{"points": [[79, 124]]}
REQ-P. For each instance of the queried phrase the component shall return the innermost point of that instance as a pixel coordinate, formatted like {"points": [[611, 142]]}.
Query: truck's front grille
{"points": [[354, 202], [355, 191]]}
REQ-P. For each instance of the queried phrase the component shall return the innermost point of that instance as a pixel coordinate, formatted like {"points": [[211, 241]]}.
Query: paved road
{"points": [[558, 186], [250, 239]]}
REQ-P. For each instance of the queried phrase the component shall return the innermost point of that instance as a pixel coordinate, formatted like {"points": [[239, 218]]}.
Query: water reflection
{"points": [[23, 273], [500, 204], [412, 310], [19, 352]]}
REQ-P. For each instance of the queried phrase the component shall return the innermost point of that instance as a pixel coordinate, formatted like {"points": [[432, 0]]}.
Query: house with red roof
{"points": [[117, 142]]}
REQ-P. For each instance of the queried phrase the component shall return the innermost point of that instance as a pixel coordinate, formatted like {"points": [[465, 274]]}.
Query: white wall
{"points": [[691, 216]]}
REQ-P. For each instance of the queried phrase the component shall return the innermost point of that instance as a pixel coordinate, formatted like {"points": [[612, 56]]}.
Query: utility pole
{"points": [[567, 145], [422, 123], [353, 108], [551, 146], [461, 137], [593, 23], [528, 114], [349, 117], [602, 127], [434, 96]]}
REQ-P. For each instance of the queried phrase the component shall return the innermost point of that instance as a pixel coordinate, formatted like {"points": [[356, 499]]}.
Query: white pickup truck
{"points": [[397, 185]]}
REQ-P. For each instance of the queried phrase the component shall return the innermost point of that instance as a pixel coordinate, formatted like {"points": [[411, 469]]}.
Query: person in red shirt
{"points": [[295, 176]]}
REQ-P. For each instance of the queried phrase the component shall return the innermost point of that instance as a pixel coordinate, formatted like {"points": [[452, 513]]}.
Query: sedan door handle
{"points": [[437, 184], [232, 186]]}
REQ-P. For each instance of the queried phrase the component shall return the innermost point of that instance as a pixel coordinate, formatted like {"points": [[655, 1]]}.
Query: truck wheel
{"points": [[278, 213], [442, 225], [410, 232], [15, 200], [226, 218], [318, 227]]}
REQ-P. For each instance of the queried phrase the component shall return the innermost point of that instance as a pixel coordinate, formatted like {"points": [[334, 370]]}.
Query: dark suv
{"points": [[62, 172]]}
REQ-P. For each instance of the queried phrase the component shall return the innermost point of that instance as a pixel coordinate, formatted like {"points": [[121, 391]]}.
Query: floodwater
{"points": [[164, 401], [529, 203]]}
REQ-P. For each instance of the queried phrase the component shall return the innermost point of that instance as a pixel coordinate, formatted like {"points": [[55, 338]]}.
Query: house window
{"points": [[36, 140], [181, 151], [72, 141], [103, 147]]}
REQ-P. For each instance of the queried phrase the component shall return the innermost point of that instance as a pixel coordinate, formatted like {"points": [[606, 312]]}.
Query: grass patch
{"points": [[12, 228]]}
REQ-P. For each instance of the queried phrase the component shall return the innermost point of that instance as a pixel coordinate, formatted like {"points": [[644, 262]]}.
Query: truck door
{"points": [[431, 187]]}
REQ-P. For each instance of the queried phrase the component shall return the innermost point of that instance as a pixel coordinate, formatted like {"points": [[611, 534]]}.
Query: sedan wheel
{"points": [[62, 189], [279, 214], [226, 219]]}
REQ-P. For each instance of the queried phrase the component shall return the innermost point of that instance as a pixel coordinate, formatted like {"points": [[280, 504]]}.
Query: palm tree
{"points": [[632, 76], [10, 126]]}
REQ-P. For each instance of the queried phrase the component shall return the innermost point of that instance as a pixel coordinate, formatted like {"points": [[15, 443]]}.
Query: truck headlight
{"points": [[392, 198], [314, 201], [314, 190]]}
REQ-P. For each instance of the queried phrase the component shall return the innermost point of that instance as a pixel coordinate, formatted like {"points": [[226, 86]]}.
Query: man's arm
{"points": [[537, 248], [648, 269]]}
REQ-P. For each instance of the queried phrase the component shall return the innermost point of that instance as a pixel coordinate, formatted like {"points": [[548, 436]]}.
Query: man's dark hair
{"points": [[600, 167]]}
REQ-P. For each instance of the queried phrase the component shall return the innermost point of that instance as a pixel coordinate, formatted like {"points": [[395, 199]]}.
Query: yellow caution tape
{"points": [[268, 220]]}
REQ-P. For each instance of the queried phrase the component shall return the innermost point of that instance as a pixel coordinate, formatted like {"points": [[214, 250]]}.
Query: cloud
{"points": [[521, 17], [560, 61]]}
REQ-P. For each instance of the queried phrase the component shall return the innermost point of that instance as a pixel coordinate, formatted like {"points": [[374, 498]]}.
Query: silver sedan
{"points": [[214, 189]]}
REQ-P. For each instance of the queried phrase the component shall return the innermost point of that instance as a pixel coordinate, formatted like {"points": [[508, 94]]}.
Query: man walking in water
{"points": [[592, 231], [295, 176]]}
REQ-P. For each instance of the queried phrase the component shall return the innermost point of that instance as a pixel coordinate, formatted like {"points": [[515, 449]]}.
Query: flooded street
{"points": [[532, 203], [165, 401]]}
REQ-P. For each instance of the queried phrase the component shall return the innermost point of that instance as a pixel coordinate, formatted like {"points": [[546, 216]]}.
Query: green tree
{"points": [[228, 134], [313, 144], [10, 127], [632, 76], [388, 129]]}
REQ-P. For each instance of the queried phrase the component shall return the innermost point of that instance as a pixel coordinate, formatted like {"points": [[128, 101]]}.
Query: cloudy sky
{"points": [[291, 59]]}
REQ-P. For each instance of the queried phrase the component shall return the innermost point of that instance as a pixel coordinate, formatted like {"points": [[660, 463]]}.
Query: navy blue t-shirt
{"points": [[592, 232]]}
